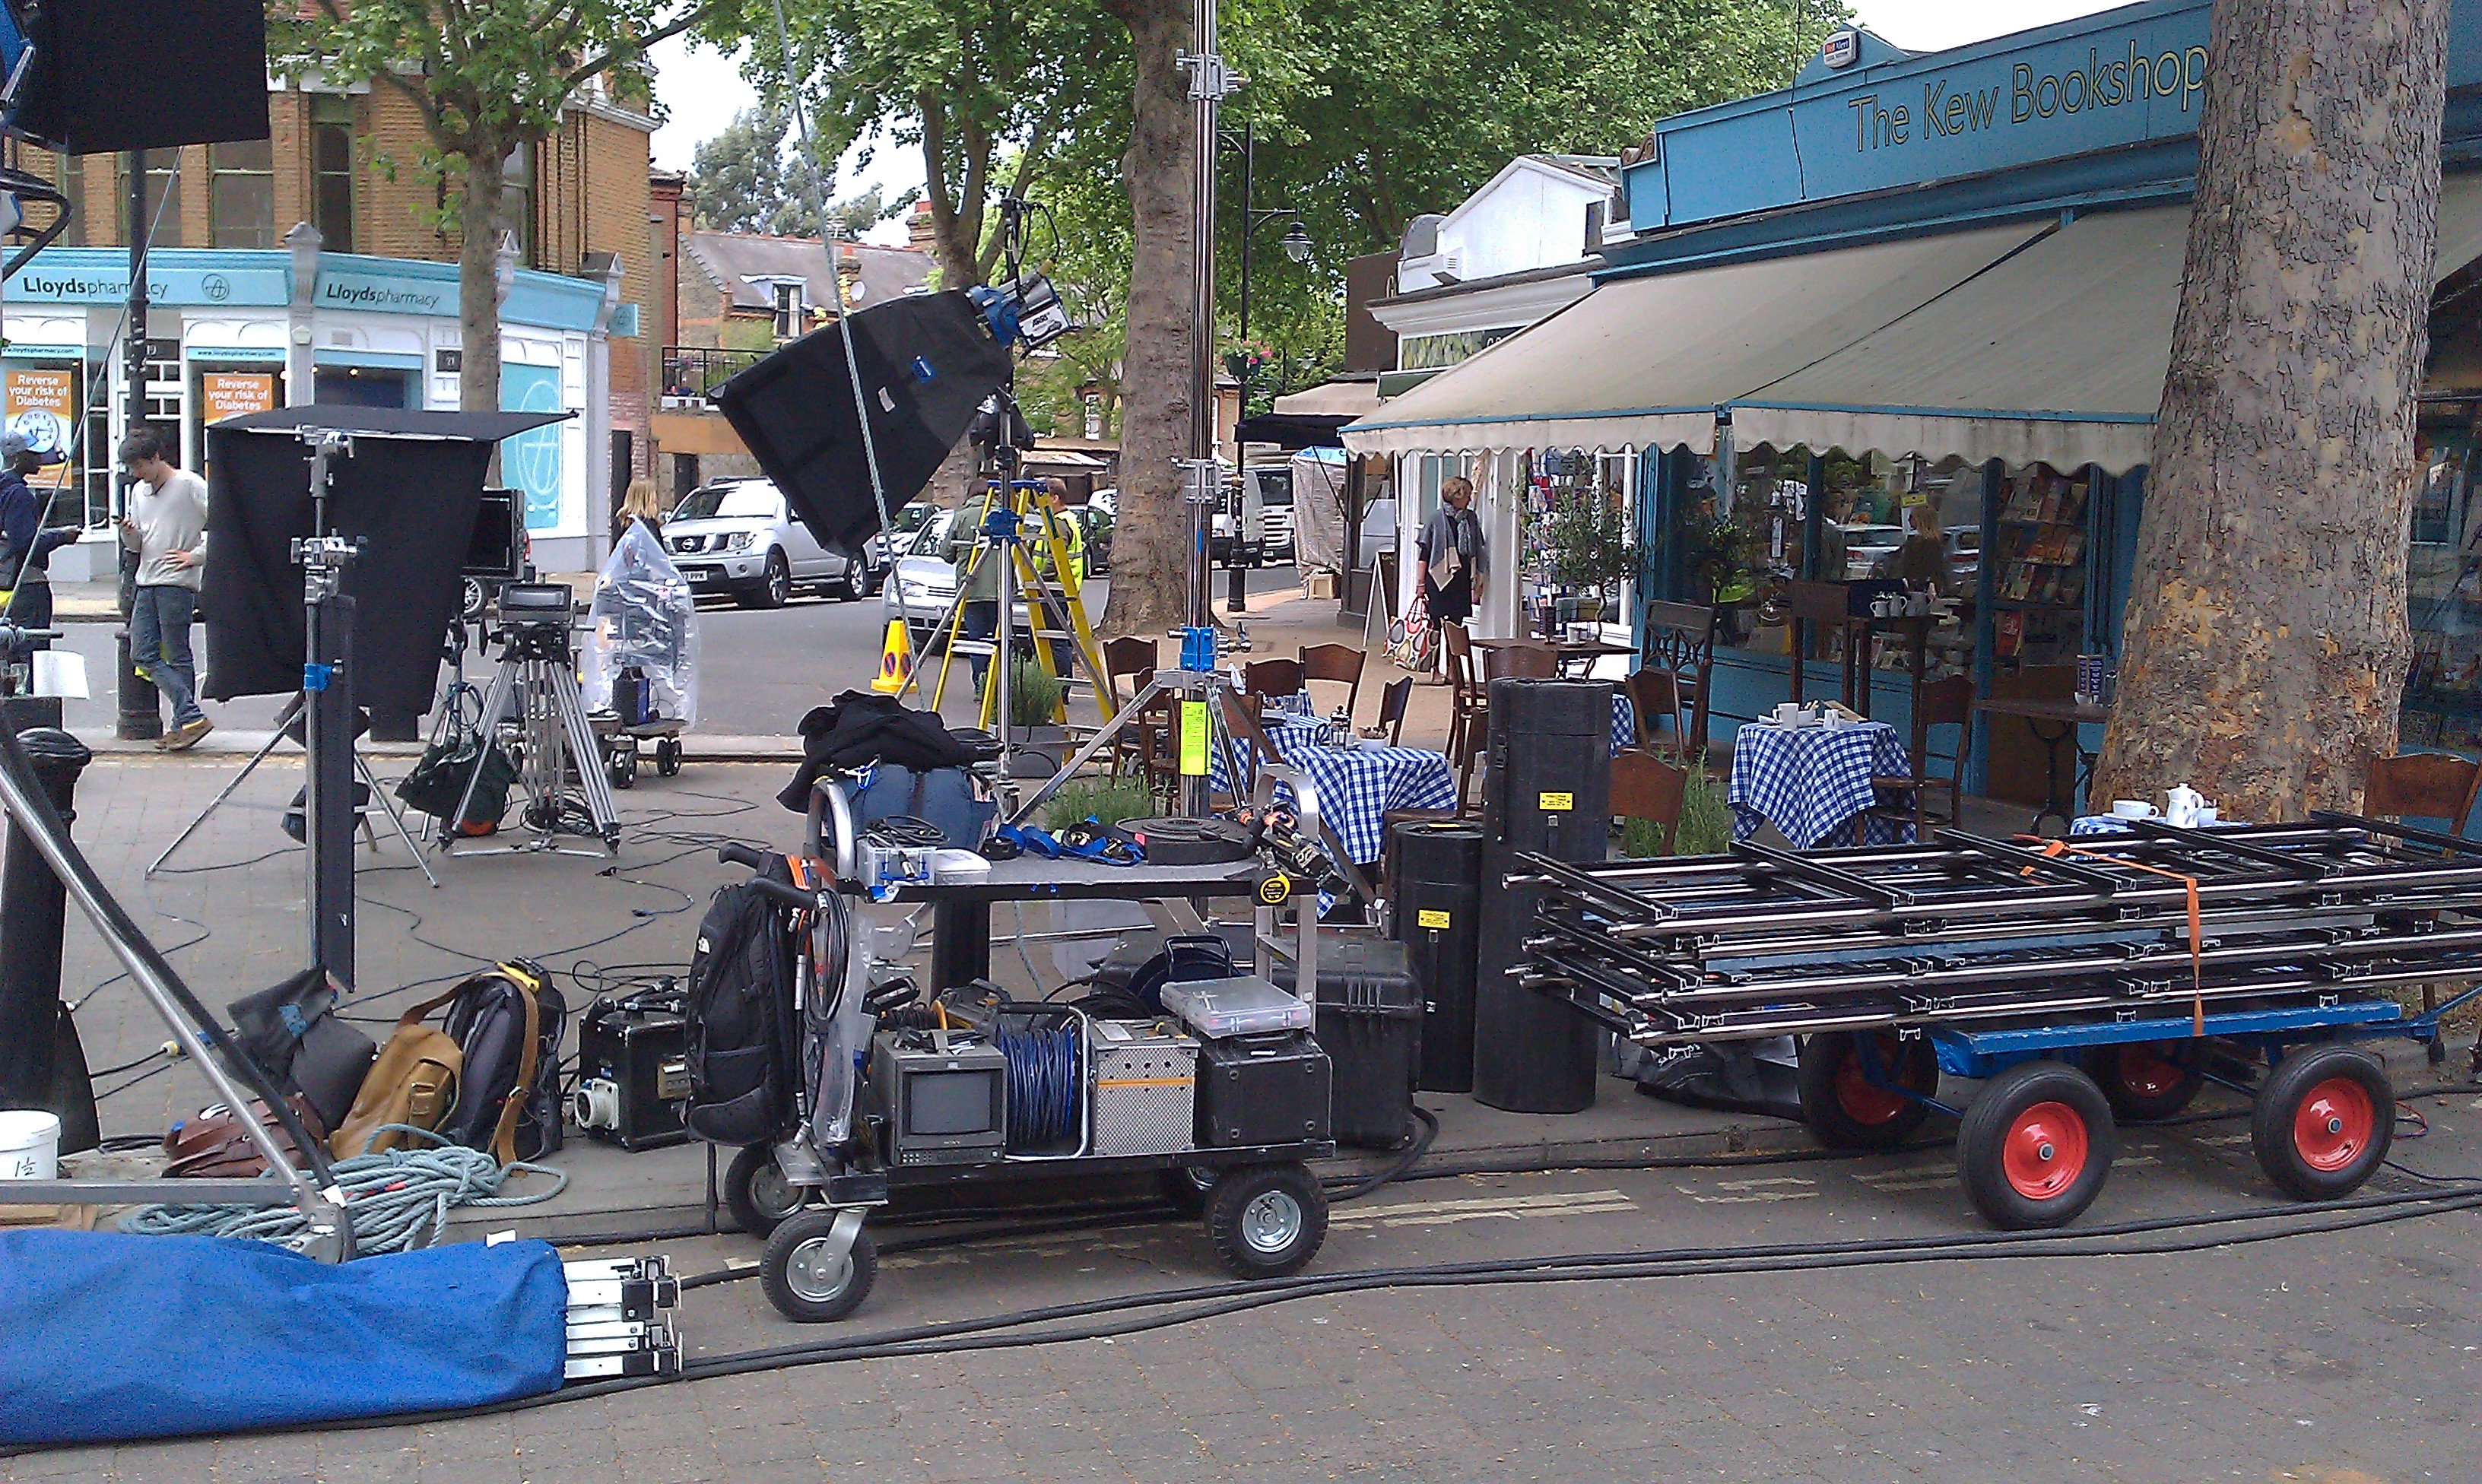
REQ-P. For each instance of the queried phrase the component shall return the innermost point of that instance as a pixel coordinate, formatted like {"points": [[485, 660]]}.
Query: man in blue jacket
{"points": [[24, 546]]}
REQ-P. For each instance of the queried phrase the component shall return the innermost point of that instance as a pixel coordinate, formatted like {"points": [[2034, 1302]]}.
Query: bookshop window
{"points": [[2039, 588], [2442, 705]]}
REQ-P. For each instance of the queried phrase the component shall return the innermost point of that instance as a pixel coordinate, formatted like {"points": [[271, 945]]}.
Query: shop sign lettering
{"points": [[383, 295], [1949, 111]]}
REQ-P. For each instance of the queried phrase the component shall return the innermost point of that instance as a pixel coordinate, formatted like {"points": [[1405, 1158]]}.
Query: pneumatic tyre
{"points": [[2142, 1085], [757, 1193], [806, 1281], [1845, 1108], [1267, 1220], [2323, 1121], [775, 587], [2034, 1149]]}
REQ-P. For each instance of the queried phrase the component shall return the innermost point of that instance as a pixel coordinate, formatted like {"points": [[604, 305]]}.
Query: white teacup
{"points": [[2132, 809], [2206, 814]]}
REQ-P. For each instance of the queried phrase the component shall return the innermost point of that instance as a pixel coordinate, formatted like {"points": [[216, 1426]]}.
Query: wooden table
{"points": [[1566, 652], [2066, 717]]}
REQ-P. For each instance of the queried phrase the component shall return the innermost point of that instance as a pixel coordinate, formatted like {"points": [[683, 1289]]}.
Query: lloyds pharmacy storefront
{"points": [[233, 331], [1946, 280]]}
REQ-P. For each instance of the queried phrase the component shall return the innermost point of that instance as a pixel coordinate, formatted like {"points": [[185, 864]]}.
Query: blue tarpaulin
{"points": [[106, 1337]]}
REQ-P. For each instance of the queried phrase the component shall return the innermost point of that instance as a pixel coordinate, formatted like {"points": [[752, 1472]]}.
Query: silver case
{"points": [[1146, 1119]]}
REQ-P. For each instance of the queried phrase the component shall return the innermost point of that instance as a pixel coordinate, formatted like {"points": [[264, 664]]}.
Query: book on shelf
{"points": [[2008, 633]]}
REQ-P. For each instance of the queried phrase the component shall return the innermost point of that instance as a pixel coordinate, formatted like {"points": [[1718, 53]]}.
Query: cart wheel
{"points": [[2323, 1122], [1845, 1109], [759, 1196], [2142, 1085], [667, 757], [2035, 1147], [1267, 1220], [804, 1282], [623, 765]]}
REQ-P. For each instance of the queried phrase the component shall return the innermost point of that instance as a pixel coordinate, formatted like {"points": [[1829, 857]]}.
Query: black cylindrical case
{"points": [[1548, 791], [1435, 868]]}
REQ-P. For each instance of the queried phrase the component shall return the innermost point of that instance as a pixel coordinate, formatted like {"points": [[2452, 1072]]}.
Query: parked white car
{"points": [[739, 537], [922, 586]]}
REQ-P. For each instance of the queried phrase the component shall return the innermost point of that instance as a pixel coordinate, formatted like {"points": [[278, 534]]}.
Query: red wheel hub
{"points": [[1862, 1102], [2333, 1124], [2147, 1074], [2045, 1151]]}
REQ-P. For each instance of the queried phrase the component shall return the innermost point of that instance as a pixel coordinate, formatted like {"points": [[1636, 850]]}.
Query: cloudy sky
{"points": [[703, 89]]}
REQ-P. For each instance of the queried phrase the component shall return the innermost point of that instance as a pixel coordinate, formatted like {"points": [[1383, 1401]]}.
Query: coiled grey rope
{"points": [[398, 1200]]}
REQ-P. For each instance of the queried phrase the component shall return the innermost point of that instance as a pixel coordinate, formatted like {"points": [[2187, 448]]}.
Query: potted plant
{"points": [[1033, 702], [1590, 548]]}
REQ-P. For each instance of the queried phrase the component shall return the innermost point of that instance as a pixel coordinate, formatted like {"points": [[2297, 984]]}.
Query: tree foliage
{"points": [[744, 180], [964, 82]]}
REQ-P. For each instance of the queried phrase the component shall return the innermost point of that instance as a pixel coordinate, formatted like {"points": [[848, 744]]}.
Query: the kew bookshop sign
{"points": [[2129, 77]]}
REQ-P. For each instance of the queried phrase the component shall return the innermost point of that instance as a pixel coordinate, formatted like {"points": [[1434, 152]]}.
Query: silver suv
{"points": [[738, 537]]}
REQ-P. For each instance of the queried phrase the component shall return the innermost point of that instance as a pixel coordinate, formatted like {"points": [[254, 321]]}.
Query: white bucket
{"points": [[30, 1144]]}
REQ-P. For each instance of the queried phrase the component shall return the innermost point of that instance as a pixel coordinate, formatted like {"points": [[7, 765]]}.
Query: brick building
{"points": [[319, 264]]}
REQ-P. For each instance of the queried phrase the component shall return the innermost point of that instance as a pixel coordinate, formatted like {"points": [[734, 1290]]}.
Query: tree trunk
{"points": [[1151, 533], [478, 292], [2266, 643]]}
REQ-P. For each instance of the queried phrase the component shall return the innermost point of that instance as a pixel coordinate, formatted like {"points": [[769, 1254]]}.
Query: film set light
{"points": [[336, 541]]}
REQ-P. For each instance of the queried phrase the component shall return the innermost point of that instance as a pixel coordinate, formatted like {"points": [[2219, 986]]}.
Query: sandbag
{"points": [[113, 1336]]}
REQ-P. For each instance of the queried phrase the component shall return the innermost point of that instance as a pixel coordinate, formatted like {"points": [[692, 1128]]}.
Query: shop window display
{"points": [[2039, 555], [2443, 703]]}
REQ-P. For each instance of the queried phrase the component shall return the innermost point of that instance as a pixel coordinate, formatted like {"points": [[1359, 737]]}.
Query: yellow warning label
{"points": [[1193, 739], [1557, 803], [1276, 889], [1428, 916]]}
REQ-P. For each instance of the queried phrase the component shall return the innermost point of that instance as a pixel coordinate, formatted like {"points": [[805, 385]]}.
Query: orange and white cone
{"points": [[895, 660]]}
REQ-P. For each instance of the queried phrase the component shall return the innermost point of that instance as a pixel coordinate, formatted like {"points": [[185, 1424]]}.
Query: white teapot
{"points": [[2180, 806]]}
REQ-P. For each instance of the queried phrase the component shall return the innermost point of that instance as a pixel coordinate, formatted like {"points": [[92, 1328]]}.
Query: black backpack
{"points": [[740, 1013], [508, 1090]]}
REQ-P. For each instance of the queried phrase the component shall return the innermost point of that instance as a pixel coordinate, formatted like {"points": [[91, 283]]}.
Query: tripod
{"points": [[287, 722], [539, 672]]}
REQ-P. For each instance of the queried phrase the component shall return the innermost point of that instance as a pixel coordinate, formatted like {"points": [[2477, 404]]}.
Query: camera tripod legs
{"points": [[555, 738]]}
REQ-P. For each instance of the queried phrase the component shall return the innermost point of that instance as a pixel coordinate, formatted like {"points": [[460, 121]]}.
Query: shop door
{"points": [[359, 386]]}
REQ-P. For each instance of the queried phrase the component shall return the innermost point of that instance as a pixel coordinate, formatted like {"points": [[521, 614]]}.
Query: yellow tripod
{"points": [[1024, 587]]}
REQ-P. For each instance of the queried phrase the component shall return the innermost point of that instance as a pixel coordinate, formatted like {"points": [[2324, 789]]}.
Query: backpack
{"points": [[740, 1014], [507, 1023], [414, 1082]]}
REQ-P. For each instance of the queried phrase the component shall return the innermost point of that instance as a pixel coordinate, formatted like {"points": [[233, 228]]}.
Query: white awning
{"points": [[1647, 361], [2055, 356], [1332, 399]]}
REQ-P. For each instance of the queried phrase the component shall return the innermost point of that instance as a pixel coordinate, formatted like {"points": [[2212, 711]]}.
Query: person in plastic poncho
{"points": [[644, 618]]}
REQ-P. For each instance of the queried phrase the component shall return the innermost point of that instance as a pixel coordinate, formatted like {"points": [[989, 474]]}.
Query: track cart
{"points": [[903, 1087], [2086, 984]]}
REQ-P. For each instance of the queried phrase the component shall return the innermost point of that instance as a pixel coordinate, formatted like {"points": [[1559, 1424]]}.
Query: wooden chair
{"points": [[2424, 786], [1393, 701], [1520, 662], [1945, 702], [1828, 605], [1272, 680], [1645, 787], [1135, 657], [1147, 740], [1654, 696], [1336, 664], [1681, 638], [1241, 720]]}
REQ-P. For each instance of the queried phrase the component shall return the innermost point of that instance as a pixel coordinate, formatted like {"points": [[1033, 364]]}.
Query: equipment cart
{"points": [[621, 746], [918, 1118], [2087, 985]]}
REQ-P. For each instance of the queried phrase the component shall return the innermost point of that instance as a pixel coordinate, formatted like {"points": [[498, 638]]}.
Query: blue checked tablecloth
{"points": [[1624, 722], [1811, 782], [1355, 786]]}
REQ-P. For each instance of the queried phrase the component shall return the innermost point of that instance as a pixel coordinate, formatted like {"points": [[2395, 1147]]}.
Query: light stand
{"points": [[327, 813]]}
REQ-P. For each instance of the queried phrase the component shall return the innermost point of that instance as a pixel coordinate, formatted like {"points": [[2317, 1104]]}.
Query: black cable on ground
{"points": [[1138, 1313]]}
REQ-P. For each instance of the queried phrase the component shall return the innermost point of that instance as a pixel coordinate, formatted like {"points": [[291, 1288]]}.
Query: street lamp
{"points": [[1296, 241]]}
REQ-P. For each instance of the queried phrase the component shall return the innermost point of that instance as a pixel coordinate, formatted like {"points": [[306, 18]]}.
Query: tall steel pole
{"points": [[1209, 83], [139, 718]]}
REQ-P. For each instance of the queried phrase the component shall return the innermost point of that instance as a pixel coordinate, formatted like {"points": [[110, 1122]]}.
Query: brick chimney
{"points": [[918, 231]]}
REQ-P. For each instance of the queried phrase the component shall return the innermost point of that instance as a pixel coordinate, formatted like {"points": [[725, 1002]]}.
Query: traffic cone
{"points": [[895, 660]]}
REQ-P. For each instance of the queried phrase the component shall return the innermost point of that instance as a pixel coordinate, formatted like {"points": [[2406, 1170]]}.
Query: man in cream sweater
{"points": [[167, 526]]}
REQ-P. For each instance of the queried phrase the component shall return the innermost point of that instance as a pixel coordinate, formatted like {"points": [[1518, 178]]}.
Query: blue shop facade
{"points": [[1946, 279], [232, 332]]}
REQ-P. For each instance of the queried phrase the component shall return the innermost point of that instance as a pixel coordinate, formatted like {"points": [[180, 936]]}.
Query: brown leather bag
{"points": [[214, 1143], [412, 1080]]}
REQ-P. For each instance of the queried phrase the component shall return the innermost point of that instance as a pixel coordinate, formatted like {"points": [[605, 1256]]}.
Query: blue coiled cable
{"points": [[1044, 1078]]}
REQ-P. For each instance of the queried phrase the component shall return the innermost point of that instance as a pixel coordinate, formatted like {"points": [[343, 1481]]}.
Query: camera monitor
{"points": [[498, 548], [926, 363], [411, 490]]}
